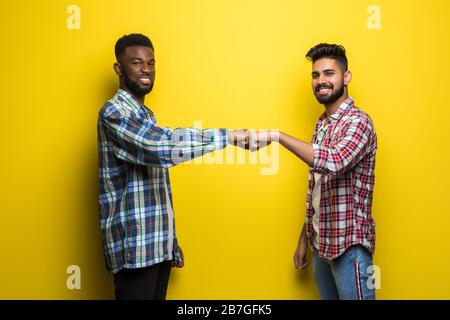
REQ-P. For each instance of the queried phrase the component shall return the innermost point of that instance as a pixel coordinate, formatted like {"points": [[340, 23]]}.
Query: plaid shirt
{"points": [[346, 160], [135, 200]]}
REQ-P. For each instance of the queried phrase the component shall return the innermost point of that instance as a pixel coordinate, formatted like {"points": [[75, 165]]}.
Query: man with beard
{"points": [[135, 200], [339, 225]]}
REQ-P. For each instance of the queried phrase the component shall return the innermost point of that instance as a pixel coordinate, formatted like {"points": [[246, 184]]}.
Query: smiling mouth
{"points": [[323, 90], [145, 80]]}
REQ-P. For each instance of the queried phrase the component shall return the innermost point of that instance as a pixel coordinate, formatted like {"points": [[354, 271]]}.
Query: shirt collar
{"points": [[129, 100], [342, 108]]}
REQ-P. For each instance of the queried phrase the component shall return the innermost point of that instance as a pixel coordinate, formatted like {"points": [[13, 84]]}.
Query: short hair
{"points": [[133, 39], [332, 51]]}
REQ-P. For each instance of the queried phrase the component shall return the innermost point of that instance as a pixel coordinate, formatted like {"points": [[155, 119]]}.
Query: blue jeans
{"points": [[346, 277]]}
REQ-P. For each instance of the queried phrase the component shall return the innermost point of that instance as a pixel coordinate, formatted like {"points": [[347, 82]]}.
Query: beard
{"points": [[136, 88], [331, 98]]}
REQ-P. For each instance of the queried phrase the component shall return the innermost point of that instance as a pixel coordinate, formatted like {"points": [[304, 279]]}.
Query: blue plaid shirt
{"points": [[135, 200]]}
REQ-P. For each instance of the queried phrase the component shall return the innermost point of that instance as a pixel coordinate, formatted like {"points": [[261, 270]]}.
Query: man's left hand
{"points": [[178, 264]]}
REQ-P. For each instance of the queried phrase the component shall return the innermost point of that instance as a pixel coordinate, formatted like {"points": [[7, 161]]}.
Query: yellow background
{"points": [[235, 64]]}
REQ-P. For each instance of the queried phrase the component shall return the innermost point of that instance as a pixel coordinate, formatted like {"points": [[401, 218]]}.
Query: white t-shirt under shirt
{"points": [[317, 189], [316, 207]]}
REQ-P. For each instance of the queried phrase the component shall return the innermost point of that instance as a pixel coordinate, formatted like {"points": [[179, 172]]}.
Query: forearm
{"points": [[303, 233], [303, 238], [300, 148], [185, 144]]}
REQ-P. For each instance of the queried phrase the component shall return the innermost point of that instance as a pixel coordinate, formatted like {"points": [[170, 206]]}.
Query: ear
{"points": [[347, 77], [117, 69]]}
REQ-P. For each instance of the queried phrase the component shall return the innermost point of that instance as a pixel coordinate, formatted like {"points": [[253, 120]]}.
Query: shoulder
{"points": [[359, 117], [114, 108]]}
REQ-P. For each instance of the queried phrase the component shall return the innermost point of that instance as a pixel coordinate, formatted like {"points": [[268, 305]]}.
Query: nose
{"points": [[147, 68], [322, 79]]}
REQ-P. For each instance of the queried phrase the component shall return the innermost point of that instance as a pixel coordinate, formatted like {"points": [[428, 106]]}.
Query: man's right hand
{"points": [[300, 260]]}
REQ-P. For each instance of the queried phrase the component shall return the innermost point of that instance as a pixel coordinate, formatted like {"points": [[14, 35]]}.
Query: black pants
{"points": [[148, 283]]}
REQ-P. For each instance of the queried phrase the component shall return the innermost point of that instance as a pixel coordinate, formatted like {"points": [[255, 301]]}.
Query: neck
{"points": [[138, 99], [332, 107]]}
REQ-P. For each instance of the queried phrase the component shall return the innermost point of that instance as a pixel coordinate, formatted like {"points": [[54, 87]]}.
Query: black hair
{"points": [[133, 39], [332, 51]]}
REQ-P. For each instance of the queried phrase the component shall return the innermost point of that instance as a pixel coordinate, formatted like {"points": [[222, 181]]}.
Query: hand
{"points": [[253, 140], [262, 138], [300, 254], [239, 138], [178, 264]]}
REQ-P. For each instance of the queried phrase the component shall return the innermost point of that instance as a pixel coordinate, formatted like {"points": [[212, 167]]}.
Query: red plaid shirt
{"points": [[344, 155]]}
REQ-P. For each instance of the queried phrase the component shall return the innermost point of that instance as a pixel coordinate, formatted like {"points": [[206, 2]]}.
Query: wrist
{"points": [[275, 135]]}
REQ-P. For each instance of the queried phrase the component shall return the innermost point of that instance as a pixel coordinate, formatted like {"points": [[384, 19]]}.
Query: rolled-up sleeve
{"points": [[347, 152]]}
